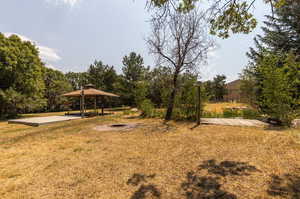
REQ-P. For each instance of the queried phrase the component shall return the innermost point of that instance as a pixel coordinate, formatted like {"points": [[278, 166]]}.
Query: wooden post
{"points": [[199, 104], [95, 104], [102, 105], [82, 103]]}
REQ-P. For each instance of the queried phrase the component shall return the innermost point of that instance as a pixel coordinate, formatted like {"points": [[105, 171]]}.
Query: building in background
{"points": [[233, 91]]}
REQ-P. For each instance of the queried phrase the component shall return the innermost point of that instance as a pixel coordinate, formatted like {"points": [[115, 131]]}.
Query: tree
{"points": [[248, 86], [281, 37], [278, 96], [56, 84], [226, 16], [160, 85], [102, 76], [77, 80], [219, 88], [133, 72], [21, 76], [180, 42], [281, 32]]}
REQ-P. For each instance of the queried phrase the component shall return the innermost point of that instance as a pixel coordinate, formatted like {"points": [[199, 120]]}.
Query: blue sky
{"points": [[71, 34]]}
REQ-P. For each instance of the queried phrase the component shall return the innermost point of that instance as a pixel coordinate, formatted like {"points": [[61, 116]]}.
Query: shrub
{"points": [[147, 108], [210, 114], [230, 113], [250, 114]]}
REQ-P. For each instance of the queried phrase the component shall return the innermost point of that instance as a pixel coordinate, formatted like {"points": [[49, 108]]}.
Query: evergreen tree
{"points": [[134, 71], [281, 32], [102, 76]]}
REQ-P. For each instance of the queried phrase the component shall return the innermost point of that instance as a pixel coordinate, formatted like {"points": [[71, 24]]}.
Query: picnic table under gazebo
{"points": [[89, 91]]}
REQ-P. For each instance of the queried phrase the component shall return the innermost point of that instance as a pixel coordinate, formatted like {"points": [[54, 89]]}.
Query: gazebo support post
{"points": [[95, 104], [82, 104], [102, 105]]}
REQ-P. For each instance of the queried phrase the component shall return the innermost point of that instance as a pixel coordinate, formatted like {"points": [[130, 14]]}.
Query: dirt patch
{"points": [[117, 127]]}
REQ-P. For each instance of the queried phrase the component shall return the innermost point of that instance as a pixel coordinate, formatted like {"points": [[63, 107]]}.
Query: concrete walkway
{"points": [[233, 122], [37, 121]]}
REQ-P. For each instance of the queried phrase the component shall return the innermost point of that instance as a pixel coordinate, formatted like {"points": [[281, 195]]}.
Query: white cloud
{"points": [[69, 2], [50, 66], [46, 54]]}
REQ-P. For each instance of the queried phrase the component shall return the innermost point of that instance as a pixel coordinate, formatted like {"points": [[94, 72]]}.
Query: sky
{"points": [[71, 34]]}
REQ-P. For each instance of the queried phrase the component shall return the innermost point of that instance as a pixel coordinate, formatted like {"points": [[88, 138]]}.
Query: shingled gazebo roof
{"points": [[89, 92]]}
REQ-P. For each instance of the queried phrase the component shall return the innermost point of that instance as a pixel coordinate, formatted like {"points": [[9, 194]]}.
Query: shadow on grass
{"points": [[137, 178], [227, 168], [285, 186], [204, 187], [145, 190], [199, 186]]}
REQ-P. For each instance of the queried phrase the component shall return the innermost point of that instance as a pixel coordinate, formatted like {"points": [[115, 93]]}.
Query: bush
{"points": [[250, 114], [231, 113], [147, 108], [211, 114]]}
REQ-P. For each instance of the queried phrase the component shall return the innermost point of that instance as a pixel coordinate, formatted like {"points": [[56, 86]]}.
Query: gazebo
{"points": [[89, 91]]}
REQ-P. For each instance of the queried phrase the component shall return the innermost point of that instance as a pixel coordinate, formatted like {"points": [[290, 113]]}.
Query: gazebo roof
{"points": [[89, 92]]}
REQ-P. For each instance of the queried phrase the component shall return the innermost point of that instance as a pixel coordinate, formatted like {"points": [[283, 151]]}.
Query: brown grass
{"points": [[219, 107], [71, 160]]}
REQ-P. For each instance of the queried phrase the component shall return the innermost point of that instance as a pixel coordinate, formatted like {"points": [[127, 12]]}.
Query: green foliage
{"points": [[160, 85], [272, 77], [77, 80], [133, 72], [56, 84], [216, 89], [279, 87], [102, 76], [140, 92], [211, 114], [281, 32], [147, 108], [21, 76], [235, 18], [231, 113], [250, 114], [227, 16], [187, 98], [248, 87]]}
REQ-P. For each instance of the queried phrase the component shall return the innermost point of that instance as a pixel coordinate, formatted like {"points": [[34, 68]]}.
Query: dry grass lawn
{"points": [[173, 161], [219, 107]]}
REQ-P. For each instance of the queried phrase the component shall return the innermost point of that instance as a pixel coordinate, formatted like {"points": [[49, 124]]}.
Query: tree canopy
{"points": [[226, 16]]}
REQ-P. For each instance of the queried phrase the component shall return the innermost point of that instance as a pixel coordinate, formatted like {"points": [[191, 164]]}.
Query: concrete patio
{"points": [[37, 121]]}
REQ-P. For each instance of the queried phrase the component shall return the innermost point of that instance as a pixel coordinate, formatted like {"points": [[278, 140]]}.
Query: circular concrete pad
{"points": [[117, 127]]}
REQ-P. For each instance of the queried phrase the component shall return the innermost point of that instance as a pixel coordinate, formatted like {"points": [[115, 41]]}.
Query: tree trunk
{"points": [[172, 97]]}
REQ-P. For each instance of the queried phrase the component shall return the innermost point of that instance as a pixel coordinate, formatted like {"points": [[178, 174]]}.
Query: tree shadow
{"points": [[204, 187], [285, 186], [137, 178], [228, 168], [209, 186], [146, 190]]}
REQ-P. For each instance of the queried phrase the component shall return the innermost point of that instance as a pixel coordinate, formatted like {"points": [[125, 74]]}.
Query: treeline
{"points": [[26, 85], [271, 81]]}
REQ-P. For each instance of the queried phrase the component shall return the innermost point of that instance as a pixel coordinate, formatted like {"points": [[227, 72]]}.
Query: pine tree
{"points": [[281, 32], [273, 70]]}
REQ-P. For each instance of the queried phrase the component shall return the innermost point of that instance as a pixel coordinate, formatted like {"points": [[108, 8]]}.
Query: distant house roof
{"points": [[89, 92], [234, 84]]}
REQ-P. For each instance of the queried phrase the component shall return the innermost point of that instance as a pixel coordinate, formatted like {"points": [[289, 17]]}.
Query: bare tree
{"points": [[180, 41]]}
